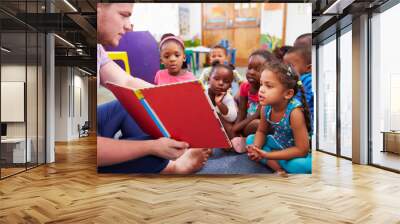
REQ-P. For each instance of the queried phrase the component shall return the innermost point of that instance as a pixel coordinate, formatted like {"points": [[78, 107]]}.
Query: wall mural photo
{"points": [[230, 104]]}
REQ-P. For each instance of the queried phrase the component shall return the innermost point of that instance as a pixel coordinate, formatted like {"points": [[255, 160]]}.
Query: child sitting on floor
{"points": [[249, 110], [300, 59], [220, 54], [172, 54], [282, 138], [218, 85]]}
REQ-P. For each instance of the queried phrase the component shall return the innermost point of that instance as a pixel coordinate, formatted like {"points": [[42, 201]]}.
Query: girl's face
{"points": [[272, 91], [172, 56], [254, 69], [220, 80], [218, 54]]}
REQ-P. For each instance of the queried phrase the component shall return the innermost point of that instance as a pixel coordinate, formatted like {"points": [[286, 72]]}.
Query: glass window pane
{"points": [[385, 89], [346, 94], [327, 97], [13, 87]]}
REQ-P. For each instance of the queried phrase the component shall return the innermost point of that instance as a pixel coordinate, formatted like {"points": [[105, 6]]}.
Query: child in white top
{"points": [[218, 85]]}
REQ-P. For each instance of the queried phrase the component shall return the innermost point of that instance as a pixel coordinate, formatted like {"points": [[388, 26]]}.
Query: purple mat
{"points": [[143, 54]]}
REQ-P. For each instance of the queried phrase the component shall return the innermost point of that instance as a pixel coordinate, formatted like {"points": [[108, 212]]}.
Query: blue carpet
{"points": [[222, 162]]}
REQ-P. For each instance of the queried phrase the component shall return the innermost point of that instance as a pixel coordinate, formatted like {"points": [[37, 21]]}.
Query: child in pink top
{"points": [[172, 54]]}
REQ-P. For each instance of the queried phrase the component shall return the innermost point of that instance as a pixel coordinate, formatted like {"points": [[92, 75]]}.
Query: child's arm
{"points": [[259, 138], [221, 106], [300, 133], [227, 107], [242, 120]]}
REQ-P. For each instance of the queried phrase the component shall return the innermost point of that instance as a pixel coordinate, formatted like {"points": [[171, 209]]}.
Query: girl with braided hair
{"points": [[282, 138]]}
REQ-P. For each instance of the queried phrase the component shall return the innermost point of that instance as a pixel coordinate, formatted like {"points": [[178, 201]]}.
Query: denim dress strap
{"points": [[282, 132]]}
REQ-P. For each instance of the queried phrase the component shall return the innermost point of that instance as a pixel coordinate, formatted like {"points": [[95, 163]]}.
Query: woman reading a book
{"points": [[138, 153]]}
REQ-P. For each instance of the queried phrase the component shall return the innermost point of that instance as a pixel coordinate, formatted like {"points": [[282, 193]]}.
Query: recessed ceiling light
{"points": [[84, 71], [70, 5], [64, 40], [5, 50]]}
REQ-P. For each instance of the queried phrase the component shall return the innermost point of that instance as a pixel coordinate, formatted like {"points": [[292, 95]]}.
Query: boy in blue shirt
{"points": [[300, 59]]}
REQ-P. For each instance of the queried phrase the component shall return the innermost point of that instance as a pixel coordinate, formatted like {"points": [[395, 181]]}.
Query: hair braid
{"points": [[306, 109], [289, 78]]}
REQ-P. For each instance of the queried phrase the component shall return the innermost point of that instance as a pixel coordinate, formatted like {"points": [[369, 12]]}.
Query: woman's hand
{"points": [[168, 148]]}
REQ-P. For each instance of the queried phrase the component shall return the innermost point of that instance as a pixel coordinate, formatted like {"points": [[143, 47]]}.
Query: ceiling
{"points": [[79, 27], [72, 20], [330, 15]]}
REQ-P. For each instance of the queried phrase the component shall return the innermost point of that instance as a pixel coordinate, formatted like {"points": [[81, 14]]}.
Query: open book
{"points": [[181, 111]]}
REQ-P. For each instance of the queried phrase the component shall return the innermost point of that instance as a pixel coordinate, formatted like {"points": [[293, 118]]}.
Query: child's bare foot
{"points": [[239, 144], [191, 161], [281, 173]]}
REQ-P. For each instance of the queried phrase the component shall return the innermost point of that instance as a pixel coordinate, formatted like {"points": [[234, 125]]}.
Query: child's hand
{"points": [[254, 153], [219, 98]]}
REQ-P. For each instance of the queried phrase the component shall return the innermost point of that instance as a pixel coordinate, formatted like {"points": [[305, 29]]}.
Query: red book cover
{"points": [[127, 97], [181, 111]]}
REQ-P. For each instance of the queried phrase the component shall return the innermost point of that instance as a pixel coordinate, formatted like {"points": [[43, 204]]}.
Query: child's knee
{"points": [[250, 139], [299, 165]]}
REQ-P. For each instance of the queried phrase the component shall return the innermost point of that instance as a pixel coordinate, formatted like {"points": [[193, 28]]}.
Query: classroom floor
{"points": [[71, 191]]}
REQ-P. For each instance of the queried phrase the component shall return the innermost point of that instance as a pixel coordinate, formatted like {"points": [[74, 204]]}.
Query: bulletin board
{"points": [[12, 101]]}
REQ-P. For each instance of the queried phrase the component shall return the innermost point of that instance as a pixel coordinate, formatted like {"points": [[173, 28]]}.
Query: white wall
{"points": [[271, 22], [194, 20], [68, 83], [61, 103], [161, 18], [33, 127], [298, 21], [12, 73], [80, 83], [157, 18]]}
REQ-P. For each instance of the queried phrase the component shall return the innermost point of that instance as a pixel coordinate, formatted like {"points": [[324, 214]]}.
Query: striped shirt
{"points": [[306, 80]]}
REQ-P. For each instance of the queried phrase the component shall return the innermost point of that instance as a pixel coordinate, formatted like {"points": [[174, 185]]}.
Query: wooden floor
{"points": [[70, 191]]}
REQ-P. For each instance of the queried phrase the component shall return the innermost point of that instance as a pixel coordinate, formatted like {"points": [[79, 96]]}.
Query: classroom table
{"points": [[197, 51]]}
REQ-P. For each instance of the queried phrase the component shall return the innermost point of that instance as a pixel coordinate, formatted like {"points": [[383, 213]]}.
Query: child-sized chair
{"points": [[120, 56], [190, 60], [231, 51]]}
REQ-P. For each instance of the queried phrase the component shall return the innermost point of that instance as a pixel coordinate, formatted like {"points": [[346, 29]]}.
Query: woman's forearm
{"points": [[112, 151]]}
